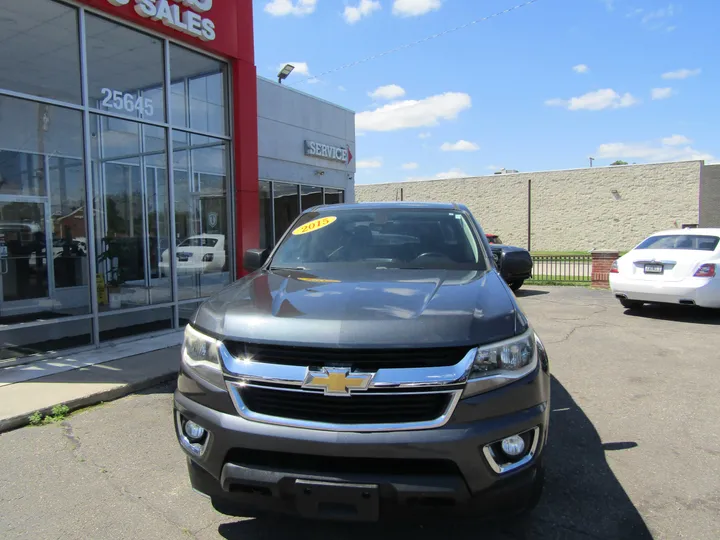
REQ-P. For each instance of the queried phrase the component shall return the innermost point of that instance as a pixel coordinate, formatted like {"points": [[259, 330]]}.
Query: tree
{"points": [[619, 162]]}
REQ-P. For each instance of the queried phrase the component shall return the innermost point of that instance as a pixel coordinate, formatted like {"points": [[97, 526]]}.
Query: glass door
{"points": [[25, 267]]}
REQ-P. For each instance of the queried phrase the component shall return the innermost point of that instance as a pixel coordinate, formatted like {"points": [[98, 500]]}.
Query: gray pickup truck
{"points": [[373, 365]]}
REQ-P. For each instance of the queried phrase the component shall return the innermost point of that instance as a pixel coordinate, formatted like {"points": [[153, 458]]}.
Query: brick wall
{"points": [[574, 210], [710, 196]]}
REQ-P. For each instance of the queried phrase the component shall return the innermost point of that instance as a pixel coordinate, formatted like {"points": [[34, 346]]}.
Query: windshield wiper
{"points": [[288, 268]]}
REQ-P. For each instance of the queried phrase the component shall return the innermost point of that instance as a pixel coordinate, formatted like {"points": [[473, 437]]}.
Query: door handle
{"points": [[4, 266]]}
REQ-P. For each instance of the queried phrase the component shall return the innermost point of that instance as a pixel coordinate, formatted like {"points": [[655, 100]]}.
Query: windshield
{"points": [[199, 242], [695, 242], [381, 238]]}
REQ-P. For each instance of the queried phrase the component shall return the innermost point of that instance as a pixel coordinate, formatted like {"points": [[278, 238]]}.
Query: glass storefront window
{"points": [[131, 213], [198, 90], [43, 230], [310, 196], [125, 70], [41, 50], [286, 204], [266, 225], [334, 196], [203, 243], [45, 224], [286, 207]]}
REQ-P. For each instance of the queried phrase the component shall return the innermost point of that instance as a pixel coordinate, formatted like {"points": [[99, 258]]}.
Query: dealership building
{"points": [[140, 156]]}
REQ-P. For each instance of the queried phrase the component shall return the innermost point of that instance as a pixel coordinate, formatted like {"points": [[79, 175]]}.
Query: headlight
{"points": [[501, 363], [201, 355]]}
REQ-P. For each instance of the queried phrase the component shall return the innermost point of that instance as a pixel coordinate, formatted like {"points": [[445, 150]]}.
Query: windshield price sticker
{"points": [[314, 225]]}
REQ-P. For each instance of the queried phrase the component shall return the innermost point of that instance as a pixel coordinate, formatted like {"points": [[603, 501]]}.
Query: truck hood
{"points": [[364, 309]]}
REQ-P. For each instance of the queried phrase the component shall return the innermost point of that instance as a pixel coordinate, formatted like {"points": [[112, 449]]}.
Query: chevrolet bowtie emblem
{"points": [[337, 381]]}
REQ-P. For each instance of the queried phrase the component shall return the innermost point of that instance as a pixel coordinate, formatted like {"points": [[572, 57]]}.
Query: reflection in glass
{"points": [[42, 51], [200, 166], [60, 334], [286, 207], [334, 196], [131, 214], [120, 325], [125, 70], [198, 91], [311, 196], [43, 251], [266, 239], [186, 311]]}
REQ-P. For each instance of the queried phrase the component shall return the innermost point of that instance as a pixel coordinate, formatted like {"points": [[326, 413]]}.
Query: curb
{"points": [[15, 422]]}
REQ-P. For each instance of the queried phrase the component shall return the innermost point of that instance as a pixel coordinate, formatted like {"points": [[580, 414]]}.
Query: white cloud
{"points": [[280, 8], [460, 146], [342, 88], [388, 92], [414, 113], [413, 8], [681, 73], [674, 148], [581, 68], [661, 13], [365, 8], [425, 135], [598, 100], [676, 140], [662, 93], [372, 163], [301, 68], [493, 167], [609, 4], [452, 173], [445, 175], [410, 166]]}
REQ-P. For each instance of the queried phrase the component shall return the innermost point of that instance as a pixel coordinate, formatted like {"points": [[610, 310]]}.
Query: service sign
{"points": [[327, 151]]}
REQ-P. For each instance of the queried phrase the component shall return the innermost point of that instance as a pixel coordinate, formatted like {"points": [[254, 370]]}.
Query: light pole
{"points": [[284, 72], [591, 160]]}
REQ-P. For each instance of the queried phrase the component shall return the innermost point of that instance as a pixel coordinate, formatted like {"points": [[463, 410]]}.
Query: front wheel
{"points": [[515, 285], [631, 304]]}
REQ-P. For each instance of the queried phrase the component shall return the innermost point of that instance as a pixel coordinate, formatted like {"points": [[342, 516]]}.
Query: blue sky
{"points": [[542, 87]]}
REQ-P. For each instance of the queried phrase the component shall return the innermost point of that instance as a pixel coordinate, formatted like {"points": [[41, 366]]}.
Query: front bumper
{"points": [[704, 292], [265, 467]]}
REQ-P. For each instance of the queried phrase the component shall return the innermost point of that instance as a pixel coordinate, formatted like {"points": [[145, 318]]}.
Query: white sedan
{"points": [[680, 266], [200, 254]]}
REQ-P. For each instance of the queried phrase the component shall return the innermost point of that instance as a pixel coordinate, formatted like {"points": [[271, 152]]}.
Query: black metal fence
{"points": [[562, 268]]}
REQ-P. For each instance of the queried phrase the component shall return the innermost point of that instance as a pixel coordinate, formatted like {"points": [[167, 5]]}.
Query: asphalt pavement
{"points": [[634, 447]]}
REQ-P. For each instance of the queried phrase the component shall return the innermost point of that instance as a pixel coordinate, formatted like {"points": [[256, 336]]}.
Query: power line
{"points": [[414, 43]]}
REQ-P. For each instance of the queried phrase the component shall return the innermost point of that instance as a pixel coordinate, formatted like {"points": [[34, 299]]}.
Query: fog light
{"points": [[195, 432], [513, 446]]}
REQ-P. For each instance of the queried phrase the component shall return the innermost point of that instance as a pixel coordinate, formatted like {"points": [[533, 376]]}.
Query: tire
{"points": [[515, 285], [631, 304]]}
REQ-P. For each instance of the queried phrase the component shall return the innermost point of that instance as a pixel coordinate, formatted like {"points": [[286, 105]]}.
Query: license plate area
{"points": [[654, 268], [336, 501]]}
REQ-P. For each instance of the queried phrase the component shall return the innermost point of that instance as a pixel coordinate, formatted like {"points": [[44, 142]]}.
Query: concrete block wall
{"points": [[573, 210], [710, 196]]}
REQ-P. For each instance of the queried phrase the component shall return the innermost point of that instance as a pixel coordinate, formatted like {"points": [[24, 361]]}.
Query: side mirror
{"points": [[498, 258], [254, 259]]}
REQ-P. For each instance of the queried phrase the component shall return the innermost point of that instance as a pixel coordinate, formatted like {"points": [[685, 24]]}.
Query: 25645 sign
{"points": [[123, 101], [169, 12]]}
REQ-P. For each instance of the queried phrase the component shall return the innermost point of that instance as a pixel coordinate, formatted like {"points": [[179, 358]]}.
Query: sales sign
{"points": [[187, 16]]}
